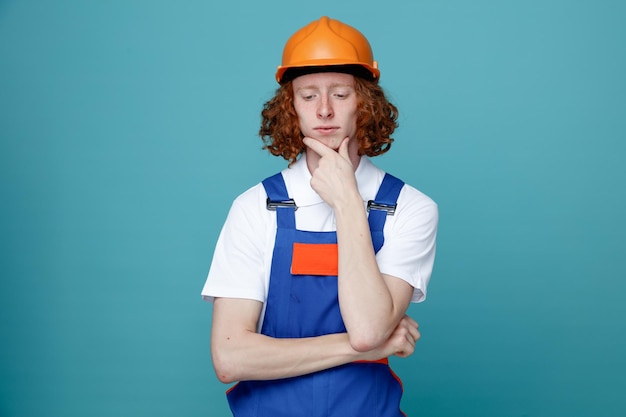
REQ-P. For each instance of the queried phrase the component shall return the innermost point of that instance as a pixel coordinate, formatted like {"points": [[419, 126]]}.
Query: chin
{"points": [[332, 143]]}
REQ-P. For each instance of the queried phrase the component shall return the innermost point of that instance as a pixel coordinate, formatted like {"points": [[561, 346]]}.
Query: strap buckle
{"points": [[389, 208], [274, 204]]}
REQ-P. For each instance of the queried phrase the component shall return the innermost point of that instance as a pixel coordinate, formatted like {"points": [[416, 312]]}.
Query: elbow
{"points": [[366, 341], [223, 374], [224, 377], [225, 370]]}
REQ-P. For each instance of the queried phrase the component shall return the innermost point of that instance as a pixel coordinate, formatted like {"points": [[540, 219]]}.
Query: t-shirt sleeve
{"points": [[238, 268], [410, 241]]}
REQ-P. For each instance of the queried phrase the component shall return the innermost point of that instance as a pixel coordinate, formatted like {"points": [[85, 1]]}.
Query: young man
{"points": [[315, 267]]}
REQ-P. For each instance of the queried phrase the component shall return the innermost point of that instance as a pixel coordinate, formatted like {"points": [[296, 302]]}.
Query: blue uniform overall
{"points": [[305, 304]]}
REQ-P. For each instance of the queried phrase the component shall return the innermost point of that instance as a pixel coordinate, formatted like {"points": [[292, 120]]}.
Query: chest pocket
{"points": [[315, 259]]}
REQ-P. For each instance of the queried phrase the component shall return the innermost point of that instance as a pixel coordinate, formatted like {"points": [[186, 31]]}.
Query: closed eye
{"points": [[341, 94], [307, 97]]}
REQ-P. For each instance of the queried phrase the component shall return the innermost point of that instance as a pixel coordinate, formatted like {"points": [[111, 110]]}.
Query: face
{"points": [[326, 107]]}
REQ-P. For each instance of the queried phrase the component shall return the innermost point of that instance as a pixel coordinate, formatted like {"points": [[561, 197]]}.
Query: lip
{"points": [[326, 129]]}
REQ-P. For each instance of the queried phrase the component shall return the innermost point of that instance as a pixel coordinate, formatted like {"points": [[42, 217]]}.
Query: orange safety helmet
{"points": [[325, 43]]}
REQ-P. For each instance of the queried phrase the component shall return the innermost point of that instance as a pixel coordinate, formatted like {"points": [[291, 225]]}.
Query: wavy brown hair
{"points": [[376, 121]]}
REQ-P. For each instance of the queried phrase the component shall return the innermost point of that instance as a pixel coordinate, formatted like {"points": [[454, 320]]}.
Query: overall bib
{"points": [[302, 302]]}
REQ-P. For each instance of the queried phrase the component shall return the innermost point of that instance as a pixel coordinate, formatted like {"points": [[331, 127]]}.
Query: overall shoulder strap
{"points": [[278, 200], [382, 206]]}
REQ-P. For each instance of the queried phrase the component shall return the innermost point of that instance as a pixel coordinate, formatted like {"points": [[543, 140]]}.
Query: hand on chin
{"points": [[330, 142]]}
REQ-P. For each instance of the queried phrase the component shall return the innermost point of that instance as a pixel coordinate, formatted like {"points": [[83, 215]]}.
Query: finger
{"points": [[415, 334], [406, 351], [401, 354], [410, 321], [343, 149], [318, 147], [411, 338]]}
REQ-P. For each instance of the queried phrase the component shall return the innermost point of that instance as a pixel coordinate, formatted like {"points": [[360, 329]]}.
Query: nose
{"points": [[325, 108]]}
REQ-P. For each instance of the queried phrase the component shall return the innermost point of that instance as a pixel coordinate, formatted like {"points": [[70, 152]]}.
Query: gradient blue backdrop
{"points": [[127, 128]]}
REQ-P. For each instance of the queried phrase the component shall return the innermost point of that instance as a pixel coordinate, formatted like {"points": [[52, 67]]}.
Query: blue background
{"points": [[127, 128]]}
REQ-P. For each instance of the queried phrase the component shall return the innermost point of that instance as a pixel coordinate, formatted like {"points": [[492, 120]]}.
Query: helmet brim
{"points": [[288, 73]]}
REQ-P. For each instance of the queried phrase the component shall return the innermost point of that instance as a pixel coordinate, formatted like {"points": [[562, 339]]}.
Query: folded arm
{"points": [[240, 353]]}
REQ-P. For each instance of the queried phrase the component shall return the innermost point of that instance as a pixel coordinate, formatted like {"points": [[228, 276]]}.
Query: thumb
{"points": [[343, 149]]}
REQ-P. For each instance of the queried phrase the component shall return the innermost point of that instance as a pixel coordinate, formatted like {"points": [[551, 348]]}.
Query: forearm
{"points": [[367, 304], [240, 353], [253, 356]]}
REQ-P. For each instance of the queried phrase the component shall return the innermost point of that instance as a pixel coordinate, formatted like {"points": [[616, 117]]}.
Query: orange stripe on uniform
{"points": [[383, 361], [315, 259]]}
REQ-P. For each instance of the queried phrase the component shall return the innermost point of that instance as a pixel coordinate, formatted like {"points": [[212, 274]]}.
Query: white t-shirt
{"points": [[243, 254]]}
